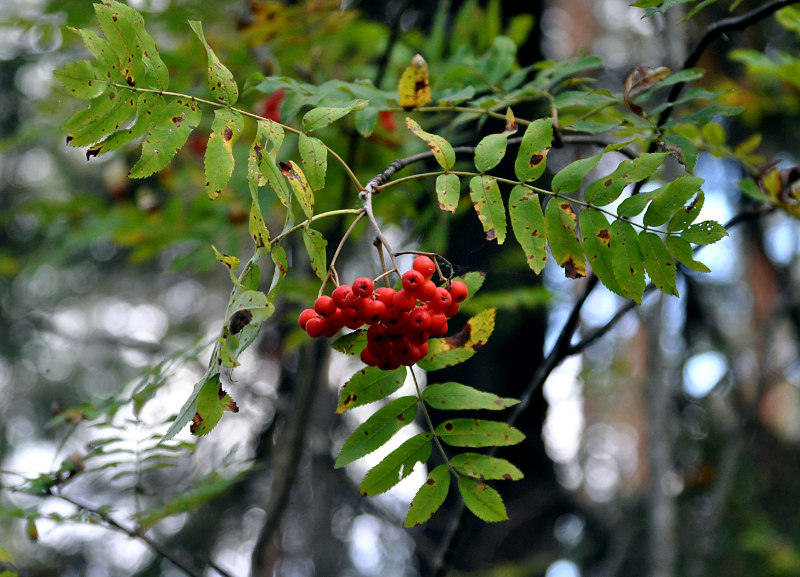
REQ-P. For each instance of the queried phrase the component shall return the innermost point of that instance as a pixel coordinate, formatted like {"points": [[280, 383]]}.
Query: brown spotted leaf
{"points": [[369, 385], [455, 349], [488, 203], [527, 222], [221, 82], [414, 88], [429, 498], [478, 433], [485, 467], [641, 79], [218, 161], [299, 183], [167, 137], [560, 223], [455, 396], [484, 502]]}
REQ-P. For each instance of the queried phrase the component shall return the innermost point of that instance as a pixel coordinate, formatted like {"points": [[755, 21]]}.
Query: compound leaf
{"points": [[478, 433], [149, 108], [299, 183], [105, 114], [323, 116], [82, 78], [671, 198], [681, 250], [369, 385], [429, 498], [484, 502], [397, 465], [377, 430], [527, 222], [569, 178], [455, 396], [706, 232]]}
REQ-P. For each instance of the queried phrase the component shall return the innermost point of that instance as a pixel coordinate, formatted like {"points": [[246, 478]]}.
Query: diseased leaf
{"points": [[607, 189], [221, 82], [218, 161], [369, 385], [429, 498], [490, 151], [642, 78], [681, 250], [569, 178], [397, 465], [351, 343], [455, 396], [484, 502], [167, 137], [455, 349], [315, 245], [527, 222], [484, 467], [314, 157], [149, 108], [212, 401], [559, 224], [83, 79], [687, 214], [596, 234], [478, 433], [299, 183], [670, 198], [281, 268], [659, 263], [627, 261], [323, 116], [532, 155], [413, 89], [488, 203], [706, 232], [448, 191], [105, 114], [256, 226], [441, 149], [230, 262], [377, 430]]}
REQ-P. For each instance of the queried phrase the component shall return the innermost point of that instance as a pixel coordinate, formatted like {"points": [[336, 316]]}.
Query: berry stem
{"points": [[331, 269]]}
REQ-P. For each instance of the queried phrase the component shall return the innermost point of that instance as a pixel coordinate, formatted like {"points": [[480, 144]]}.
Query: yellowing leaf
{"points": [[414, 88]]}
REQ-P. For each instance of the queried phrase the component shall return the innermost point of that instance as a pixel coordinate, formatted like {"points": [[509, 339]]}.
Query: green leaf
{"points": [[681, 250], [323, 116], [670, 198], [532, 154], [221, 82], [687, 214], [315, 245], [488, 203], [448, 191], [597, 245], [484, 502], [659, 263], [299, 183], [478, 433], [397, 465], [607, 189], [377, 430], [429, 497], [105, 114], [149, 108], [527, 222], [281, 269], [314, 157], [636, 203], [455, 396], [256, 227], [627, 261], [255, 302], [218, 162], [441, 149], [685, 148], [455, 349], [569, 178], [351, 343], [490, 151], [82, 79], [212, 401], [559, 221], [484, 467], [268, 168], [706, 232], [167, 137], [369, 385]]}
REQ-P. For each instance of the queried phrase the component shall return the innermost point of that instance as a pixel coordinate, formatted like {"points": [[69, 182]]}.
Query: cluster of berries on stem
{"points": [[400, 321]]}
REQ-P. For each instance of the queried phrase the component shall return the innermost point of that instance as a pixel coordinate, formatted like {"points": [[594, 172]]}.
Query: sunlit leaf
{"points": [[221, 82], [490, 151], [560, 223], [167, 137], [671, 198], [569, 178], [218, 162], [527, 222], [413, 89], [681, 250], [485, 467], [659, 263], [455, 396], [488, 203], [369, 385], [596, 234], [448, 191], [484, 502], [397, 465], [377, 430], [478, 433], [105, 114], [299, 183], [351, 343], [149, 108], [706, 232], [429, 498], [441, 149], [82, 78], [687, 214]]}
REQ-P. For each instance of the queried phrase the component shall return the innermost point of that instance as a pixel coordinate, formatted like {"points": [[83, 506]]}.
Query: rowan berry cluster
{"points": [[400, 321]]}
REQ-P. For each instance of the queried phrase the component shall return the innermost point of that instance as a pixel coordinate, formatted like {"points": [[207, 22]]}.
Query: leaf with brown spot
{"points": [[218, 161], [627, 261], [446, 352], [441, 149], [478, 433], [369, 385], [455, 396], [532, 155], [220, 80], [488, 203], [527, 222], [597, 246], [484, 502], [299, 183], [641, 79], [413, 89], [166, 138], [211, 403], [485, 467], [564, 244], [429, 498]]}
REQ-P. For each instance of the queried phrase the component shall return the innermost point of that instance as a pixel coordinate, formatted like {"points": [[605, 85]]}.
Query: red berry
{"points": [[325, 306], [351, 320], [427, 291], [315, 327], [412, 281], [369, 359], [363, 287], [371, 311], [385, 295], [339, 295], [419, 319], [304, 316], [336, 321], [424, 265], [441, 300], [416, 337], [395, 321], [404, 300], [452, 310], [459, 291], [438, 325]]}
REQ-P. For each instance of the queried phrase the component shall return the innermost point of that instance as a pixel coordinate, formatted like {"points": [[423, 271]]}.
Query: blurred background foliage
{"points": [[668, 447]]}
